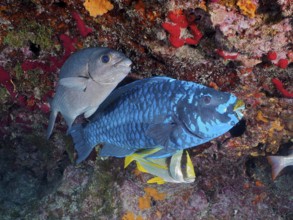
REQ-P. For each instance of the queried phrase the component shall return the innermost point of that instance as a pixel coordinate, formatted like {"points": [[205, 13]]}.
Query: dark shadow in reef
{"points": [[28, 172]]}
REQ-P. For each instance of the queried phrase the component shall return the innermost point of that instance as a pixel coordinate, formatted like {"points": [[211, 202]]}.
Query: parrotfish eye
{"points": [[105, 58], [207, 99]]}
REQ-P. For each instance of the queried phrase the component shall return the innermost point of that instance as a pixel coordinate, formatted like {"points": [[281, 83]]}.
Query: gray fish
{"points": [[86, 79], [278, 163]]}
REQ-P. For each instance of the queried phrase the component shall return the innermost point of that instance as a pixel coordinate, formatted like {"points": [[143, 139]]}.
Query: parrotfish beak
{"points": [[239, 108]]}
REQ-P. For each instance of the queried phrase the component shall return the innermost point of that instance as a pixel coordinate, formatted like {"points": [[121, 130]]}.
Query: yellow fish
{"points": [[175, 169]]}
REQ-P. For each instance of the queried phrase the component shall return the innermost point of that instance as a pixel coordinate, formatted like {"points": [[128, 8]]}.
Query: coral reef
{"points": [[243, 47], [175, 30]]}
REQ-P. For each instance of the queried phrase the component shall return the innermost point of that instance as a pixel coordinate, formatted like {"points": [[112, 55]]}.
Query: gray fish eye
{"points": [[105, 58], [207, 99]]}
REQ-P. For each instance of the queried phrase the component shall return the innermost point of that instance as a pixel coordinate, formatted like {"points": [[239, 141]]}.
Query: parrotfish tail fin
{"points": [[83, 150], [277, 163], [52, 120]]}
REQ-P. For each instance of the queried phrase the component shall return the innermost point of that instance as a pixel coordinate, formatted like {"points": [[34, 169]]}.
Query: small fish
{"points": [[157, 112], [85, 80], [178, 169], [278, 163]]}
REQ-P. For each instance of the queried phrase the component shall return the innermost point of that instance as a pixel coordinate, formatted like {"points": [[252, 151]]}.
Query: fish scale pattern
{"points": [[125, 123]]}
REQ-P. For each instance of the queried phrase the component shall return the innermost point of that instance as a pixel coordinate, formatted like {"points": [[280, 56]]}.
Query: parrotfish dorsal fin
{"points": [[122, 90]]}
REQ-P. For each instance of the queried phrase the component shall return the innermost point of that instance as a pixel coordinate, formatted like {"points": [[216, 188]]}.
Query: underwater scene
{"points": [[146, 109]]}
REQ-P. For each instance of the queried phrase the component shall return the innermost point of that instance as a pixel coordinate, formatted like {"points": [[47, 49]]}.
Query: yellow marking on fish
{"points": [[157, 180], [189, 168], [238, 104]]}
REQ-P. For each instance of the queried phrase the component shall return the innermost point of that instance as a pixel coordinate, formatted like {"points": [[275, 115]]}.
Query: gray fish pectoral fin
{"points": [[116, 151], [78, 83], [90, 111]]}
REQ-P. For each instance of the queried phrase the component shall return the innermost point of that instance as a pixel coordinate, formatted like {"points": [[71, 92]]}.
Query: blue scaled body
{"points": [[157, 112]]}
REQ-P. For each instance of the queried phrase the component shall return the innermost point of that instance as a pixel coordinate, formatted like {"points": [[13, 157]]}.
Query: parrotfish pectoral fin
{"points": [[83, 150], [162, 130], [277, 163], [115, 151], [52, 120], [157, 180], [78, 83]]}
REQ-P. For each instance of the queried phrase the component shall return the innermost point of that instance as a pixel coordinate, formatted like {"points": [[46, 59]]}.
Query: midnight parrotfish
{"points": [[157, 112], [177, 169], [85, 80]]}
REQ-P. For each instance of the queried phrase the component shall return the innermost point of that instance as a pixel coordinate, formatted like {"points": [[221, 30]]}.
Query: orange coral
{"points": [[275, 126], [131, 216], [228, 3], [247, 7], [261, 117], [151, 193], [154, 193], [144, 202], [97, 7], [128, 216]]}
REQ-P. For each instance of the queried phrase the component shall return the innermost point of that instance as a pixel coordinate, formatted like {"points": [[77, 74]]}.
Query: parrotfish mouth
{"points": [[239, 108]]}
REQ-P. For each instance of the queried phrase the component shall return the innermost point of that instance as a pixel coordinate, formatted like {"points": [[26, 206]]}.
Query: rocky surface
{"points": [[38, 179]]}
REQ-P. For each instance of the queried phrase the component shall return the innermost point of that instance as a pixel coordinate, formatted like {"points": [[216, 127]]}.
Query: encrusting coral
{"points": [[180, 22], [247, 7], [98, 7]]}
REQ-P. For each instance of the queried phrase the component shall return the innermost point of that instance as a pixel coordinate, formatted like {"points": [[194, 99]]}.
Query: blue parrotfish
{"points": [[177, 169], [85, 80], [157, 112]]}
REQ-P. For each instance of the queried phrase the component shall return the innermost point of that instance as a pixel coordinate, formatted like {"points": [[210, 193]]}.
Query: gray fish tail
{"points": [[277, 163], [83, 149], [52, 120]]}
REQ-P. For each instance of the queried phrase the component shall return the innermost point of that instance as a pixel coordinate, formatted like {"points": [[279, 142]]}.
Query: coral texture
{"points": [[97, 7], [209, 42]]}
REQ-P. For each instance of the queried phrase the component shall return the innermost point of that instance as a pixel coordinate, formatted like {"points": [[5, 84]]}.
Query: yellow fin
{"points": [[143, 165], [128, 160], [139, 155], [157, 180], [189, 166], [141, 168]]}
